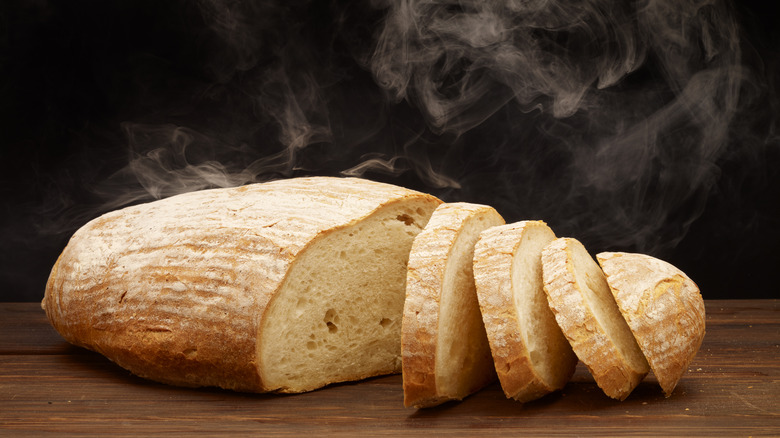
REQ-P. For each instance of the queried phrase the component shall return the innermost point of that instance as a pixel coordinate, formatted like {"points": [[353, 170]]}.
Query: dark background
{"points": [[105, 104]]}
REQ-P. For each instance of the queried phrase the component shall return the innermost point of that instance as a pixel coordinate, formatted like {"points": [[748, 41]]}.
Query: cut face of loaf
{"points": [[589, 318], [531, 355], [663, 308], [446, 355], [283, 286]]}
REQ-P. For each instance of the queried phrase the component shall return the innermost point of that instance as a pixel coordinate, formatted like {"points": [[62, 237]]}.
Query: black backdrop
{"points": [[611, 133]]}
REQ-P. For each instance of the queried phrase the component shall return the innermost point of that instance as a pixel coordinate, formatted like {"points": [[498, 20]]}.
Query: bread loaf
{"points": [[589, 318], [531, 355], [283, 286], [445, 350], [663, 309]]}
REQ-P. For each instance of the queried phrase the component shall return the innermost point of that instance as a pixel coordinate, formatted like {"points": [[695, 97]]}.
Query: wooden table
{"points": [[48, 387]]}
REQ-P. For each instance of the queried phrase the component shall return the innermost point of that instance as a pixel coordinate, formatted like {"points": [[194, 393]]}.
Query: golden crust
{"points": [[494, 257], [432, 252], [174, 290], [424, 280], [663, 308], [567, 269]]}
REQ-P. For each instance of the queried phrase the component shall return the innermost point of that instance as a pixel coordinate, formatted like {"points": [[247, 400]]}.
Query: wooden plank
{"points": [[50, 388], [24, 329]]}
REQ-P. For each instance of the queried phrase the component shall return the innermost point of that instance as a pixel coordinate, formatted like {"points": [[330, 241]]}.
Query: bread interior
{"points": [[337, 316], [548, 350], [599, 298], [463, 359]]}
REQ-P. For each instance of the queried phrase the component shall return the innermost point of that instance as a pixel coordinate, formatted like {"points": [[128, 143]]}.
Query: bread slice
{"points": [[445, 350], [282, 286], [589, 318], [663, 308], [531, 355]]}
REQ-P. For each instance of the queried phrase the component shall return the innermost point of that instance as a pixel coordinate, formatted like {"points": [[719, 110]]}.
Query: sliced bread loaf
{"points": [[663, 308], [531, 355], [590, 319], [283, 286], [446, 355]]}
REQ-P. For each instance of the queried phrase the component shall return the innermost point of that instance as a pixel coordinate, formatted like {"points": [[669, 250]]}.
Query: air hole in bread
{"points": [[405, 218], [330, 315], [330, 319], [384, 322]]}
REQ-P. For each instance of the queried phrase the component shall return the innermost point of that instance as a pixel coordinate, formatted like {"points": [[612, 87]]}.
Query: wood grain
{"points": [[49, 388]]}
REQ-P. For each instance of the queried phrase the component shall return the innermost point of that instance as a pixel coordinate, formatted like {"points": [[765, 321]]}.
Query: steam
{"points": [[414, 157], [262, 106], [636, 99], [166, 160], [277, 95], [606, 118], [647, 125], [462, 61]]}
